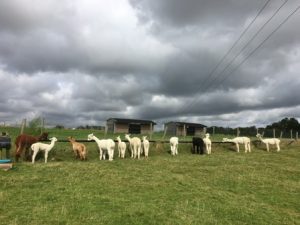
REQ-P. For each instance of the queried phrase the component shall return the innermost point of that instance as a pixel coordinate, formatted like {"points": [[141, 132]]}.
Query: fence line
{"points": [[251, 132]]}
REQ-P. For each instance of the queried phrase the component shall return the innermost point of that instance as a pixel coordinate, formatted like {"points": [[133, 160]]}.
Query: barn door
{"points": [[134, 129], [190, 131]]}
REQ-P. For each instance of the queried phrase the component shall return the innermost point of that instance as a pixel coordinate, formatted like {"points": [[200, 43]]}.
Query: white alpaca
{"points": [[207, 143], [121, 147], [146, 145], [240, 140], [174, 145], [104, 145], [39, 146], [135, 146], [270, 141]]}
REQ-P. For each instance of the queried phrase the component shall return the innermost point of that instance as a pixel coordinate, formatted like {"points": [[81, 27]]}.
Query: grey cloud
{"points": [[61, 38], [192, 12], [75, 64]]}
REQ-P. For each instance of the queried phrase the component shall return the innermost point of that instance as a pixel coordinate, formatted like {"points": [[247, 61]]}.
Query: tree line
{"points": [[285, 128]]}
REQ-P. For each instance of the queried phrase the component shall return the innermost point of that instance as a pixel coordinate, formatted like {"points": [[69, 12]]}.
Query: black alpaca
{"points": [[198, 145]]}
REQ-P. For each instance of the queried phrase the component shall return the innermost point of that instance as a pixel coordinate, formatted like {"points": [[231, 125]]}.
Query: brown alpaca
{"points": [[79, 149], [24, 141]]}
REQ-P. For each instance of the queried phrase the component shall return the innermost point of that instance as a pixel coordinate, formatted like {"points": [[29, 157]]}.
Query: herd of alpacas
{"points": [[137, 146]]}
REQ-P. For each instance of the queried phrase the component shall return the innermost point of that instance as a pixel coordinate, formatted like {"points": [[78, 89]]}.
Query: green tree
{"points": [[286, 124], [35, 126]]}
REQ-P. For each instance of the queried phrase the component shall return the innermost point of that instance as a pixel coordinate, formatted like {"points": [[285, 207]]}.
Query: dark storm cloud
{"points": [[82, 62], [193, 12]]}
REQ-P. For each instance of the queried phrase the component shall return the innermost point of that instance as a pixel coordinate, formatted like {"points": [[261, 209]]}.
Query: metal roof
{"points": [[122, 120], [187, 124]]}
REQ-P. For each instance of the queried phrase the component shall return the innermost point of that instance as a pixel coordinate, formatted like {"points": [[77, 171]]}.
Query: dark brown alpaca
{"points": [[24, 141]]}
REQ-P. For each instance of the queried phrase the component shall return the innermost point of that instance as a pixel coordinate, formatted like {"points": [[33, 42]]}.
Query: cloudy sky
{"points": [[78, 62]]}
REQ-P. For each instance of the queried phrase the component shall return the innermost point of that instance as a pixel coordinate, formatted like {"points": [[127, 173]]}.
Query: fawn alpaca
{"points": [[79, 149]]}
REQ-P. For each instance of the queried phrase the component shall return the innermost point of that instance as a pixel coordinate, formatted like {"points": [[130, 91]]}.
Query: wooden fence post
{"points": [[42, 124], [274, 134], [281, 133], [151, 130], [238, 132], [291, 134], [23, 126], [105, 131], [165, 131]]}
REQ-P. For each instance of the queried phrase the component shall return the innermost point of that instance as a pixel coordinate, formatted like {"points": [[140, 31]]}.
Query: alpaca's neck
{"points": [[95, 139], [128, 138], [260, 138], [230, 140], [52, 143]]}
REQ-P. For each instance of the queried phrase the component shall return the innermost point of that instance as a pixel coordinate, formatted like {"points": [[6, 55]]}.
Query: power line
{"points": [[277, 28], [236, 42], [248, 43], [188, 106], [253, 51]]}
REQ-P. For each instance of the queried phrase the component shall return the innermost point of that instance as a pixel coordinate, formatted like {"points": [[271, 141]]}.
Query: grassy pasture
{"points": [[222, 188]]}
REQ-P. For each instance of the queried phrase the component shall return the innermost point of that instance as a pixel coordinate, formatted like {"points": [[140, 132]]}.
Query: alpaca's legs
{"points": [[104, 152], [237, 147], [138, 152], [110, 154], [135, 152], [100, 154], [46, 156], [131, 148], [33, 156], [278, 147]]}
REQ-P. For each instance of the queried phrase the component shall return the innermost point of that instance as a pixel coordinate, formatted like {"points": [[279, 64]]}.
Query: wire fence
{"points": [[252, 132]]}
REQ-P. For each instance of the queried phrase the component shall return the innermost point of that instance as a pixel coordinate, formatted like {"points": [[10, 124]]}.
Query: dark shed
{"points": [[130, 126], [184, 129]]}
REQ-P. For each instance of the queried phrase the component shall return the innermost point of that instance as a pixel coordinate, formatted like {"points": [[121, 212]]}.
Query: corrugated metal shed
{"points": [[132, 126], [183, 128]]}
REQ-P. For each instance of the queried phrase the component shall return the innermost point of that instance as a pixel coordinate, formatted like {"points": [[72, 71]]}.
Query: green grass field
{"points": [[222, 188]]}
